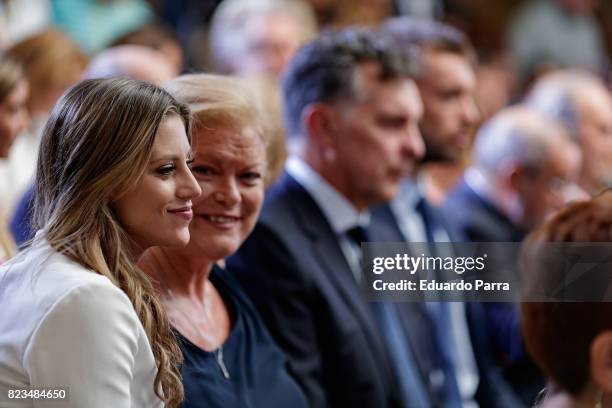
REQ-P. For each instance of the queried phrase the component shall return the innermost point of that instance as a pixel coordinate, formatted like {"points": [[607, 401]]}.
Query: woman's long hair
{"points": [[95, 146]]}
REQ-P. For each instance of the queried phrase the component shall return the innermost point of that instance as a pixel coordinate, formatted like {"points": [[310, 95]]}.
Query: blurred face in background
{"points": [[13, 116], [544, 191], [229, 165], [270, 42], [447, 87], [595, 130]]}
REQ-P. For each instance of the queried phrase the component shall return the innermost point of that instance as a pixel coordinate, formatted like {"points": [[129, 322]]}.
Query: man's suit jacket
{"points": [[294, 270], [480, 221], [477, 218], [493, 390]]}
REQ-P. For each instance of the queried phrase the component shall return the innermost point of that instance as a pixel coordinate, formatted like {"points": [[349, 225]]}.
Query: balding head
{"points": [[131, 61], [581, 102], [529, 157]]}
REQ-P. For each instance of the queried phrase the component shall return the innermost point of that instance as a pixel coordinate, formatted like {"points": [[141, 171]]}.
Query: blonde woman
{"points": [[231, 360], [112, 180], [13, 119]]}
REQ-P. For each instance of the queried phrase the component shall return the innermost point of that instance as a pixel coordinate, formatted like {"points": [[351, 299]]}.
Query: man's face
{"points": [[270, 42], [377, 137], [448, 88], [595, 128], [544, 192]]}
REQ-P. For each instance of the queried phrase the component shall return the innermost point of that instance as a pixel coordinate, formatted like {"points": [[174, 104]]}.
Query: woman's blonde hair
{"points": [[221, 100], [95, 146]]}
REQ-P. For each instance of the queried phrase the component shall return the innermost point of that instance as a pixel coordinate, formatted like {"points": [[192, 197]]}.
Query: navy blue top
{"points": [[257, 368]]}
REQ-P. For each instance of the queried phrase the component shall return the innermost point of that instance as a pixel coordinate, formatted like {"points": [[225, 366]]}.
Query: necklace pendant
{"points": [[219, 357]]}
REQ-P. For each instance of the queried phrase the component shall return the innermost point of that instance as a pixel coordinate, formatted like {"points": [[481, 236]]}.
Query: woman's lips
{"points": [[184, 212]]}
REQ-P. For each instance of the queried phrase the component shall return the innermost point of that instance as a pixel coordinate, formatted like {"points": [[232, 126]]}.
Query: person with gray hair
{"points": [[583, 104], [352, 105], [259, 37], [524, 167]]}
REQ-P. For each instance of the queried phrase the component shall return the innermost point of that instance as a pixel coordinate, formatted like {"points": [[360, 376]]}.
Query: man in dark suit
{"points": [[447, 87], [352, 112]]}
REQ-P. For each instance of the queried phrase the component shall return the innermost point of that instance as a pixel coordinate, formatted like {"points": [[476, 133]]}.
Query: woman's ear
{"points": [[601, 361]]}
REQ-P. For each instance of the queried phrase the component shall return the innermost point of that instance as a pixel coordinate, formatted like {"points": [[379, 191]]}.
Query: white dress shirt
{"points": [[338, 211], [63, 325]]}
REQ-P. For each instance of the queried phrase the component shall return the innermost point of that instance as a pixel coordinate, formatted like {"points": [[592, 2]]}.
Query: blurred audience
{"points": [[157, 36], [21, 19], [230, 359], [258, 38], [547, 34], [132, 61], [447, 86], [523, 167], [52, 63], [570, 341], [353, 112], [95, 24], [583, 104], [13, 119]]}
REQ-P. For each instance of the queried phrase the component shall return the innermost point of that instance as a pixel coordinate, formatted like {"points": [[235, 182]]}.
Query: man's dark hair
{"points": [[324, 69], [411, 31]]}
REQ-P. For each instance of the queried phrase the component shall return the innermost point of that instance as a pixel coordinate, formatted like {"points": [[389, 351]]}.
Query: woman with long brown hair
{"points": [[112, 180]]}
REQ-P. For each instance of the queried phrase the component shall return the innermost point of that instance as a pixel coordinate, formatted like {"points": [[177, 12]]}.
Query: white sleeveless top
{"points": [[62, 325]]}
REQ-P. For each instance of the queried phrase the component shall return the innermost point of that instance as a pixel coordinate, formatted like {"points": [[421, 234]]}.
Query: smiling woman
{"points": [[112, 180], [230, 358]]}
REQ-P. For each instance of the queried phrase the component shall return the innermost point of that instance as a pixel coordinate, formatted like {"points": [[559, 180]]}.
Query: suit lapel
{"points": [[329, 255]]}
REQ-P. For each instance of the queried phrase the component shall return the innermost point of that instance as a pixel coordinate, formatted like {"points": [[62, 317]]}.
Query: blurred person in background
{"points": [[21, 19], [159, 37], [524, 165], [571, 342], [13, 119], [352, 110], [258, 38], [447, 86], [230, 359], [583, 104], [132, 61], [52, 63], [547, 34]]}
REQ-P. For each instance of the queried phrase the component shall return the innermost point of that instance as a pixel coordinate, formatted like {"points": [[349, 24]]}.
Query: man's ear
{"points": [[601, 361], [321, 124]]}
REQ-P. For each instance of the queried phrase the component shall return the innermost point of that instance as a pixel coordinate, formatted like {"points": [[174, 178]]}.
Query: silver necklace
{"points": [[217, 353]]}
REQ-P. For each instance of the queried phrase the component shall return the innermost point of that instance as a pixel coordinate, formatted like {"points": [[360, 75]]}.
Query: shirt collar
{"points": [[338, 211]]}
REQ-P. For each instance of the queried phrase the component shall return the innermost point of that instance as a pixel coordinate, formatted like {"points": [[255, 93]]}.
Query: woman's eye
{"points": [[251, 176], [166, 170], [202, 170]]}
